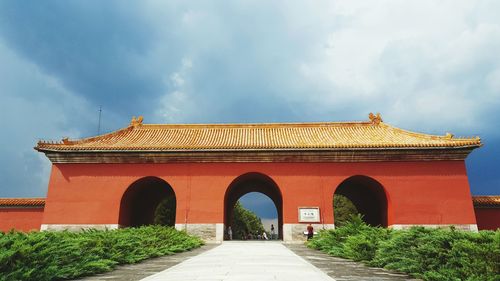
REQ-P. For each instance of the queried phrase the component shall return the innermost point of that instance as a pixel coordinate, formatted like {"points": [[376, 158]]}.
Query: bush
{"points": [[430, 254], [65, 255], [355, 240]]}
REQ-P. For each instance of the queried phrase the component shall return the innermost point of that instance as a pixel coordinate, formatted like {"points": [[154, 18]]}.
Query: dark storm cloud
{"points": [[119, 57], [95, 50], [482, 168], [260, 204], [423, 67]]}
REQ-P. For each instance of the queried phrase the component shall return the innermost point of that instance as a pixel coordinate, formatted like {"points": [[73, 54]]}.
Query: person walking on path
{"points": [[230, 233], [272, 232], [310, 232]]}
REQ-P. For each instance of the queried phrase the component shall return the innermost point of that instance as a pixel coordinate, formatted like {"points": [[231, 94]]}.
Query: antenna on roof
{"points": [[99, 123]]}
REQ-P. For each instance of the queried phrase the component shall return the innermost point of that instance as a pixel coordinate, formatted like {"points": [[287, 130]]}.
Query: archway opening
{"points": [[248, 184], [366, 195], [147, 201], [255, 217]]}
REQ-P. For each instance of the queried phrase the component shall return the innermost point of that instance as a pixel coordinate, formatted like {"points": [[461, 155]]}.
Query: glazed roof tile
{"points": [[266, 136], [22, 202], [492, 200]]}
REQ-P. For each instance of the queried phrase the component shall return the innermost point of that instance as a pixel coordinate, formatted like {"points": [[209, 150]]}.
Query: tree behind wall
{"points": [[343, 209], [165, 212], [245, 222]]}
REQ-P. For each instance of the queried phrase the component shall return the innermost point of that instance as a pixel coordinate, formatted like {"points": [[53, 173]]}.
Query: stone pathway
{"points": [[342, 269], [249, 260], [138, 271], [244, 261]]}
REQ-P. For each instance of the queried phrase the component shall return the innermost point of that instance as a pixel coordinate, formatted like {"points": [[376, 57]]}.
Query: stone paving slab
{"points": [[134, 272], [244, 261], [249, 260], [343, 269]]}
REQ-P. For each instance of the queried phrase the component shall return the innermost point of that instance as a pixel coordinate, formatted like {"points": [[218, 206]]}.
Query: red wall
{"points": [[418, 192], [488, 218], [24, 219]]}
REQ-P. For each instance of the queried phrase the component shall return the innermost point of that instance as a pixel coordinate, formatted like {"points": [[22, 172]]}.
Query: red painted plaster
{"points": [[23, 219], [417, 192]]}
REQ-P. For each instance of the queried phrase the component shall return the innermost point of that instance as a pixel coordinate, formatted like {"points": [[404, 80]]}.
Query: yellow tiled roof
{"points": [[489, 200], [373, 134], [22, 202]]}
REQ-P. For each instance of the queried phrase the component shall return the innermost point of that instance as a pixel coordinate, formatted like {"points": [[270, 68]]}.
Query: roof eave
{"points": [[48, 150]]}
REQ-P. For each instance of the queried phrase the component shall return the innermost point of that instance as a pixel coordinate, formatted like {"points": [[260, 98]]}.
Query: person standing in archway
{"points": [[310, 232], [230, 233], [272, 232]]}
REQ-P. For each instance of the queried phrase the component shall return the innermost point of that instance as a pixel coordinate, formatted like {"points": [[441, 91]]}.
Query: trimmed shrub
{"points": [[430, 254], [65, 255], [362, 247]]}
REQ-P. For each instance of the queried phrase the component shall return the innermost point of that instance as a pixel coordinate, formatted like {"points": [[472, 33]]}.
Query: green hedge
{"points": [[64, 255], [430, 254]]}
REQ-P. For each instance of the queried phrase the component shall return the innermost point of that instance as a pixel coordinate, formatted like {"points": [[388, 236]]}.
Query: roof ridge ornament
{"points": [[375, 119], [66, 140], [136, 121]]}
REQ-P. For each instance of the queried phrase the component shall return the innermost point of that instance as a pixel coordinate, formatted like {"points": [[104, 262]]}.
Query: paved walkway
{"points": [[134, 272], [249, 260], [244, 261], [345, 270]]}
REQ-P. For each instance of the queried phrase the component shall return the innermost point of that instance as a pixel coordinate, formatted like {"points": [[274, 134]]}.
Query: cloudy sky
{"points": [[427, 66]]}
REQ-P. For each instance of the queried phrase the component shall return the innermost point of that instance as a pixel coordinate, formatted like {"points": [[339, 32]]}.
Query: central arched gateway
{"points": [[253, 182]]}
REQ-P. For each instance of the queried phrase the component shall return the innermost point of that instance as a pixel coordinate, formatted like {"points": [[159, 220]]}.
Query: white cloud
{"points": [[176, 104], [424, 64]]}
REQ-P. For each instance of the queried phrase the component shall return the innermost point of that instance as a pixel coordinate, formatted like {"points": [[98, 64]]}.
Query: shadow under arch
{"points": [[142, 198], [369, 197], [253, 182]]}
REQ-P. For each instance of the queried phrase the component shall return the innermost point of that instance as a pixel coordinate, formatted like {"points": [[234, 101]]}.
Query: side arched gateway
{"points": [[368, 196], [149, 200], [253, 182]]}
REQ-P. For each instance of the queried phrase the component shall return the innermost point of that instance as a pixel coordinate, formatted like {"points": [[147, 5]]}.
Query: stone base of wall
{"points": [[467, 227], [210, 232], [214, 232], [294, 232], [77, 227]]}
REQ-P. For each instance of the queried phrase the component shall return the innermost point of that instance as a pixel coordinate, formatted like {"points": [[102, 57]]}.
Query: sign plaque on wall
{"points": [[309, 214]]}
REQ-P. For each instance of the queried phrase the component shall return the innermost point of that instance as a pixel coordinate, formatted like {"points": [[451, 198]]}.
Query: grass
{"points": [[430, 254], [66, 255]]}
